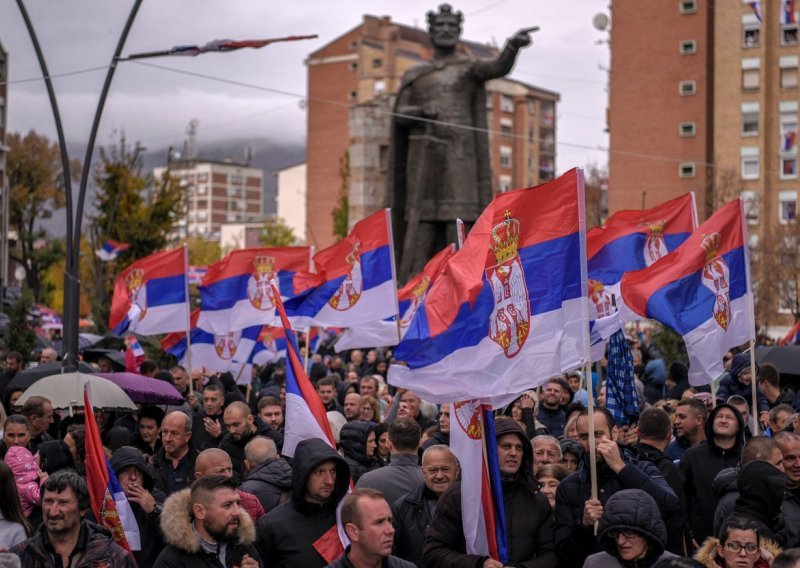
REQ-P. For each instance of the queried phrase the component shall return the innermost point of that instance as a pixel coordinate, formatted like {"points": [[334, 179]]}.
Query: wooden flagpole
{"points": [[754, 409], [388, 212], [188, 317]]}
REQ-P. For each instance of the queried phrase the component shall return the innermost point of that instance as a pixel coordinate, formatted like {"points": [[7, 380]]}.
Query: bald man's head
{"points": [[48, 355], [239, 421], [213, 461]]}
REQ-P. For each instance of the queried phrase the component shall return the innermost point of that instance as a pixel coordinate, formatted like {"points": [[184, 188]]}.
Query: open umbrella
{"points": [[94, 354], [27, 377], [65, 391], [786, 358], [144, 390]]}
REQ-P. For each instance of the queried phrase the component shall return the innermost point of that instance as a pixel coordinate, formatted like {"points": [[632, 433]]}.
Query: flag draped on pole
{"points": [[355, 279], [755, 6], [385, 332], [236, 291], [788, 12], [150, 295], [111, 250], [510, 310], [222, 45], [621, 397], [701, 290], [109, 504]]}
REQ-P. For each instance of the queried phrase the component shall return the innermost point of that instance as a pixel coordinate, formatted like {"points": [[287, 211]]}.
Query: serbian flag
{"points": [[474, 443], [791, 337], [702, 291], [270, 347], [175, 343], [788, 12], [632, 240], [196, 274], [111, 250], [236, 291], [755, 6], [109, 504], [510, 310], [150, 295], [789, 138], [355, 280], [227, 352], [385, 332], [134, 354]]}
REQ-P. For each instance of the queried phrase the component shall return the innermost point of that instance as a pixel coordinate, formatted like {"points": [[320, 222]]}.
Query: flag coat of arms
{"points": [[510, 309], [385, 332], [355, 279], [236, 291], [701, 290], [226, 352], [270, 347], [632, 240], [150, 295]]}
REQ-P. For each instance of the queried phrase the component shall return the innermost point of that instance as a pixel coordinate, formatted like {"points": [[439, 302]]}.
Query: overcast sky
{"points": [[155, 105]]}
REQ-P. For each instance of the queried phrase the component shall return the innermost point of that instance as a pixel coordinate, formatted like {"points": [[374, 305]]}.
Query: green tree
{"points": [[203, 252], [276, 233], [670, 344], [132, 207], [19, 334], [36, 185], [341, 212]]}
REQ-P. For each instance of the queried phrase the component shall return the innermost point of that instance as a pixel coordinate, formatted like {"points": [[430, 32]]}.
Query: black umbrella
{"points": [[786, 358], [94, 354], [27, 377]]}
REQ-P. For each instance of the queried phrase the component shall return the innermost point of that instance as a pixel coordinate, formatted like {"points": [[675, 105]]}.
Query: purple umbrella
{"points": [[144, 390]]}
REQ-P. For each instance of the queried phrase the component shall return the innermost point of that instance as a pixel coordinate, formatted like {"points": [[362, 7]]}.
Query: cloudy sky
{"points": [[258, 92]]}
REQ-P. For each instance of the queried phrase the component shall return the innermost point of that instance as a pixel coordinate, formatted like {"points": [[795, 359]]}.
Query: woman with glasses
{"points": [[631, 532], [738, 546]]}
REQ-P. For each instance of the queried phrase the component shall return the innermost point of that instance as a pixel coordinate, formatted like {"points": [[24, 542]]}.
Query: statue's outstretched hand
{"points": [[523, 37]]}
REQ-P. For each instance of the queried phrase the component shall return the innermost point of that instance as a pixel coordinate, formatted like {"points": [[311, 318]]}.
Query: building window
{"points": [[750, 112], [505, 130], [377, 62], [547, 168], [788, 67], [750, 202], [751, 31], [506, 103], [354, 44], [688, 47], [202, 189], [548, 113], [353, 65], [379, 87], [789, 34], [202, 177], [504, 184], [688, 6], [788, 124], [686, 170], [751, 73], [202, 216], [788, 165], [505, 157], [750, 162], [687, 129], [687, 88], [787, 203], [236, 179], [353, 95]]}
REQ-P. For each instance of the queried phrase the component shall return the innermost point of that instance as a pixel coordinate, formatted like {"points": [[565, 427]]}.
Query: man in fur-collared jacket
{"points": [[205, 526]]}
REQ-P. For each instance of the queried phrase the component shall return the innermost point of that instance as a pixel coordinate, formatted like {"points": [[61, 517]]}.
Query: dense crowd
{"points": [[688, 484]]}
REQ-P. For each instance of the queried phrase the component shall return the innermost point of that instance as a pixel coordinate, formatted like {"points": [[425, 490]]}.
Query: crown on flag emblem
{"points": [[710, 244], [135, 282], [259, 290], [134, 279], [349, 291], [600, 298], [468, 417], [263, 264], [422, 287], [509, 323], [716, 277], [655, 247]]}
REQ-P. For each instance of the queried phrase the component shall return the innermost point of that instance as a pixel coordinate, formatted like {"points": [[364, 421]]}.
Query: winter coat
{"points": [[11, 533], [235, 449], [730, 385], [412, 515], [403, 474], [529, 519], [271, 482], [761, 490], [285, 535], [353, 441], [574, 541], [25, 468], [630, 509], [726, 488], [553, 420], [183, 542], [151, 538], [699, 466], [96, 546], [201, 439], [388, 562], [791, 518], [164, 476], [707, 553], [437, 438]]}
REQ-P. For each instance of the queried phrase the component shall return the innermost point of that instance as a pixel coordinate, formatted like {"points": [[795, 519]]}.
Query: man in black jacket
{"points": [[205, 527], [242, 427], [414, 511], [173, 465], [208, 425], [529, 519], [288, 533], [617, 468]]}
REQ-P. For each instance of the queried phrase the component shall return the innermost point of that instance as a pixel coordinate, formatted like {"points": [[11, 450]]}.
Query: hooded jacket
{"points": [[707, 553], [235, 449], [286, 535], [353, 441], [151, 538], [730, 385], [699, 466], [270, 482], [630, 509], [655, 379], [184, 546], [529, 519], [761, 490], [25, 468]]}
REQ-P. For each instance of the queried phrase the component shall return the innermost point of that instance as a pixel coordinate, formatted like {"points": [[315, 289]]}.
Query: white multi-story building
{"points": [[292, 200]]}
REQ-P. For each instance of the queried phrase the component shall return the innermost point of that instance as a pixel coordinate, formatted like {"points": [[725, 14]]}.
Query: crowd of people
{"points": [[687, 484]]}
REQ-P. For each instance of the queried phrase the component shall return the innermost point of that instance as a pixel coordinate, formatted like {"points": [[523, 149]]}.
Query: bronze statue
{"points": [[440, 166]]}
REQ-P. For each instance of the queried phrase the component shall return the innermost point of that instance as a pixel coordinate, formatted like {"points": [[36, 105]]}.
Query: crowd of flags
{"points": [[529, 294]]}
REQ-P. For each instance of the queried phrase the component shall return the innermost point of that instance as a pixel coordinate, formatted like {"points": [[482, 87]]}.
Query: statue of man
{"points": [[440, 167]]}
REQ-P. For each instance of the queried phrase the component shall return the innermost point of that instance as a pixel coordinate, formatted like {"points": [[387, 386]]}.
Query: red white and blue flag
{"points": [[355, 279], [385, 332], [701, 290], [222, 45], [111, 250], [270, 347], [511, 308], [755, 6], [109, 504], [789, 139], [196, 274], [474, 443], [632, 240], [236, 291], [150, 296], [788, 16]]}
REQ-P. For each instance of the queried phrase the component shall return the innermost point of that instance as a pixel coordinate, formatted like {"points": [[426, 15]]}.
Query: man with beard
{"points": [[242, 427], [551, 414], [214, 461], [205, 526], [271, 412], [689, 427], [65, 538]]}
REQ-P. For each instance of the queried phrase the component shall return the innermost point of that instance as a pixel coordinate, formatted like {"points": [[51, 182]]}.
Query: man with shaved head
{"points": [[214, 461], [269, 476], [242, 427]]}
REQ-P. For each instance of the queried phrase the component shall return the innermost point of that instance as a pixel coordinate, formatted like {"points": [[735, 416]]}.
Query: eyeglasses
{"points": [[626, 534], [735, 547]]}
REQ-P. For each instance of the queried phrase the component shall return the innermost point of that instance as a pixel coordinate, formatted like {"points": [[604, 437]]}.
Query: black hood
{"points": [[308, 455], [633, 509], [353, 440], [710, 427], [503, 426], [342, 388], [761, 487], [127, 456], [726, 481]]}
